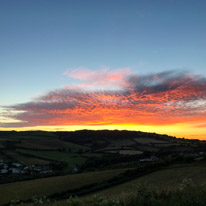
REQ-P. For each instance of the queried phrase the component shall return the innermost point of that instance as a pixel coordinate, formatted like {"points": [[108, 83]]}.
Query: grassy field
{"points": [[186, 195], [166, 145], [48, 186], [148, 148], [20, 136], [168, 178], [31, 144], [144, 140], [50, 144], [89, 155], [1, 145], [73, 160], [25, 159], [124, 152], [123, 142], [130, 152], [3, 141]]}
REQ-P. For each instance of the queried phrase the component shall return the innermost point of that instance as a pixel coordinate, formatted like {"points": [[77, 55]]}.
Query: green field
{"points": [[25, 159], [72, 159], [144, 140], [31, 144], [168, 178], [48, 186], [30, 135], [50, 144], [130, 152]]}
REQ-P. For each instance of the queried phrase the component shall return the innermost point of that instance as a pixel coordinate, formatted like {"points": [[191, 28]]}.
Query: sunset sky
{"points": [[111, 64]]}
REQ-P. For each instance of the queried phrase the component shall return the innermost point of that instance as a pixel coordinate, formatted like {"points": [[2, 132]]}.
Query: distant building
{"points": [[15, 170], [190, 155], [5, 166], [17, 164], [4, 171], [37, 169], [149, 159], [75, 170], [46, 171]]}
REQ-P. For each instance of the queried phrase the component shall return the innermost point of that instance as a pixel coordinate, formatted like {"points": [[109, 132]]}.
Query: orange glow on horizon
{"points": [[177, 130]]}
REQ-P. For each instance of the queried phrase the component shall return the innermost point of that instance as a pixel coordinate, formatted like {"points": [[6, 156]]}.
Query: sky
{"points": [[112, 64]]}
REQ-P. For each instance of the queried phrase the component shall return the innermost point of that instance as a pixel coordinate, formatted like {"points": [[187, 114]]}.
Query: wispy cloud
{"points": [[155, 99], [103, 79]]}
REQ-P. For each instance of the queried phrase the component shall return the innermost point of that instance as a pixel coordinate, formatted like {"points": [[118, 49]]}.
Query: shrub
{"points": [[40, 200], [100, 201], [74, 201], [14, 202]]}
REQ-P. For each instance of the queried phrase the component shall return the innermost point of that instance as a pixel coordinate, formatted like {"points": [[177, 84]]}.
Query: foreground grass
{"points": [[177, 185], [167, 178], [53, 185], [165, 182], [186, 194]]}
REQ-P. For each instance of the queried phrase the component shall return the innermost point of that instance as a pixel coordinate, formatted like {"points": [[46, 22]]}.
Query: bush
{"points": [[100, 201], [40, 200], [74, 201]]}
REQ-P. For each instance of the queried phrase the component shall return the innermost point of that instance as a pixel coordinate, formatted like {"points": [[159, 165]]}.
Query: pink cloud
{"points": [[79, 73], [105, 78]]}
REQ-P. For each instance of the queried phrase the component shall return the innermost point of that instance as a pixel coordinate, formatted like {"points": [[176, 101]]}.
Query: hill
{"points": [[35, 156]]}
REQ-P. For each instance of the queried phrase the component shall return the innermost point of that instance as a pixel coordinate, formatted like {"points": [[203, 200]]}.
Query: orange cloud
{"points": [[157, 99]]}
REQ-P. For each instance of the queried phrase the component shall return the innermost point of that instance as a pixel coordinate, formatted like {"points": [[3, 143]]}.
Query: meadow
{"points": [[73, 160], [50, 144], [164, 179], [175, 185], [53, 185], [25, 159], [186, 195]]}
